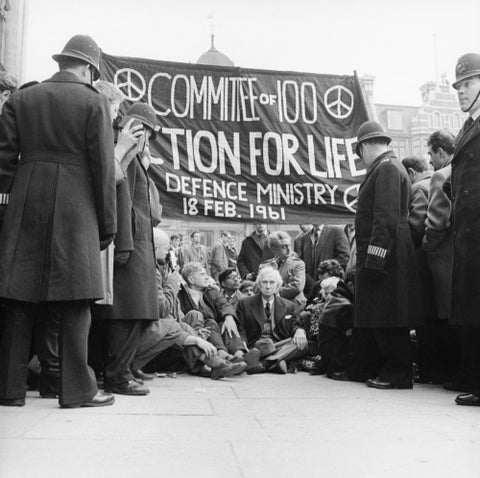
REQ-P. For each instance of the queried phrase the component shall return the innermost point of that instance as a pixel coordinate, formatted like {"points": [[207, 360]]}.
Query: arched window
{"points": [[436, 119]]}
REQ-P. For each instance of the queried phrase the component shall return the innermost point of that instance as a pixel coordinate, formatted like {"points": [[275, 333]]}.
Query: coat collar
{"points": [[389, 154], [466, 135], [64, 76]]}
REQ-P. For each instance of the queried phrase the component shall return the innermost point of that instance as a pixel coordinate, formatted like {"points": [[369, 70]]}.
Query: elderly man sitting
{"points": [[266, 322], [290, 267]]}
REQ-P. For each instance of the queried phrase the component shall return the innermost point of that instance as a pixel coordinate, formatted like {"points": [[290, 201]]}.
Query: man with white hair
{"points": [[290, 267], [266, 322]]}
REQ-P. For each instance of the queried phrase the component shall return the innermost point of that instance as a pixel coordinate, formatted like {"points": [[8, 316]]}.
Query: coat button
{"points": [[469, 156], [467, 230], [466, 192]]}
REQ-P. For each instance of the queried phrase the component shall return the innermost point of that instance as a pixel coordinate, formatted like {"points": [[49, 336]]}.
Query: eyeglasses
{"points": [[233, 276]]}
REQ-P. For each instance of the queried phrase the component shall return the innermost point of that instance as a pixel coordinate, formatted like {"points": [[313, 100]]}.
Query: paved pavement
{"points": [[247, 427]]}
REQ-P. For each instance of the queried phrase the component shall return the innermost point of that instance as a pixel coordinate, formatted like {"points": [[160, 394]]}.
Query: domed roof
{"points": [[214, 57]]}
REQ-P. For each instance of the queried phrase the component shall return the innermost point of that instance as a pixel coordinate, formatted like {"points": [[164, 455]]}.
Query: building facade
{"points": [[410, 126]]}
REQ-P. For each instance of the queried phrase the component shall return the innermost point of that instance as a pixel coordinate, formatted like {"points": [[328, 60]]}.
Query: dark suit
{"points": [[331, 244], [251, 316], [61, 201]]}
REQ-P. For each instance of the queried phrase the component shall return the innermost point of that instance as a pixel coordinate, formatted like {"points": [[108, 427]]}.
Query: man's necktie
{"points": [[267, 310], [468, 123]]}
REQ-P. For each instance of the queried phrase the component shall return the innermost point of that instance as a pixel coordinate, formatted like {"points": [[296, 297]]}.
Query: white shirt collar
{"points": [[476, 115]]}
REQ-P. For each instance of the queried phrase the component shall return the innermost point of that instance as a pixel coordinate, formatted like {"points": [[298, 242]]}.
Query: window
{"points": [[394, 120]]}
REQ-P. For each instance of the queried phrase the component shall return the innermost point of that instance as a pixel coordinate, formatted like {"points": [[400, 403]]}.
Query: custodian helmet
{"points": [[82, 47], [370, 130], [467, 66], [146, 114]]}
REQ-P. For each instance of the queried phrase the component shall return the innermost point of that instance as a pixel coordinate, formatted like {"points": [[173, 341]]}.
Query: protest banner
{"points": [[248, 145]]}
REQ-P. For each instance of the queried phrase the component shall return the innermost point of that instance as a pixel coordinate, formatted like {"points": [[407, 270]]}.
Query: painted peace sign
{"points": [[350, 197], [131, 83], [339, 101]]}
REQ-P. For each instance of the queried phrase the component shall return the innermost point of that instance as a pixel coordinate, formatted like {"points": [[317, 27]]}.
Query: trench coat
{"points": [[135, 293], [386, 277], [251, 255], [438, 240], [466, 226], [61, 193], [417, 216]]}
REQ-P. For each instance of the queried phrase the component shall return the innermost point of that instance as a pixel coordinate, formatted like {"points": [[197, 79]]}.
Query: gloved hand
{"points": [[106, 240], [121, 257]]}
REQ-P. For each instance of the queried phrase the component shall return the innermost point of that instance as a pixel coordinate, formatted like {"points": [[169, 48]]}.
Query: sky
{"points": [[403, 44]]}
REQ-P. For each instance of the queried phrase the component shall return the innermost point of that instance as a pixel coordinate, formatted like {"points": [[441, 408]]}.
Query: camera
{"points": [[171, 260]]}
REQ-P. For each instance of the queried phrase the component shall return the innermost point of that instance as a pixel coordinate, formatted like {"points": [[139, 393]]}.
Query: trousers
{"points": [[76, 379]]}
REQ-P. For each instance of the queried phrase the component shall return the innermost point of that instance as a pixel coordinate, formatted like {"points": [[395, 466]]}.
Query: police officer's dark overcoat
{"points": [[61, 191], [466, 227], [386, 278]]}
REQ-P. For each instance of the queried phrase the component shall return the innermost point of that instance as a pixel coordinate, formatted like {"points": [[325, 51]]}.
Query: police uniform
{"points": [[386, 297], [465, 182], [61, 202]]}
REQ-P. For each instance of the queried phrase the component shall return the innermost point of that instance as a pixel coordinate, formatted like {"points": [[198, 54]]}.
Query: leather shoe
{"points": [[142, 375], [340, 376], [279, 367], [12, 402], [99, 400], [468, 399], [384, 384], [457, 387], [259, 368], [128, 388], [227, 370]]}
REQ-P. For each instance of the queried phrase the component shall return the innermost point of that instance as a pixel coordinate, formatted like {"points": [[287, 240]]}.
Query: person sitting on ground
{"points": [[329, 323], [229, 281], [247, 288], [327, 268], [266, 323], [168, 331], [215, 315]]}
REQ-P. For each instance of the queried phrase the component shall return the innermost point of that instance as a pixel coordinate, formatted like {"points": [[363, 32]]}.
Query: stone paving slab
{"points": [[246, 427]]}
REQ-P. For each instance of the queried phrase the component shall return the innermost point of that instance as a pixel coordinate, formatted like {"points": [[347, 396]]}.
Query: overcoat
{"points": [[386, 278], [251, 255], [135, 294], [466, 226], [438, 240], [61, 193], [417, 216], [219, 261]]}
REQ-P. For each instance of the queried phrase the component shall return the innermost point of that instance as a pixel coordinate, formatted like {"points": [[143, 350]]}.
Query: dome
{"points": [[214, 57]]}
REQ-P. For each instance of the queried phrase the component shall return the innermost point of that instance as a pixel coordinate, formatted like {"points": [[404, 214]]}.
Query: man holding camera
{"points": [[135, 302]]}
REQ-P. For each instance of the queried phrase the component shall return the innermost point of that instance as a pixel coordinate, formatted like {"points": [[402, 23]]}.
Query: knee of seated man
{"points": [[194, 318]]}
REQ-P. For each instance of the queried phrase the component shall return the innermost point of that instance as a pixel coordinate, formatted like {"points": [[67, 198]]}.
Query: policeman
{"points": [[465, 184], [386, 296], [61, 211]]}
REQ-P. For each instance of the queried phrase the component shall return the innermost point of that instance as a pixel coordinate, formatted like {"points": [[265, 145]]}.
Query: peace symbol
{"points": [[131, 83], [350, 197], [339, 101]]}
